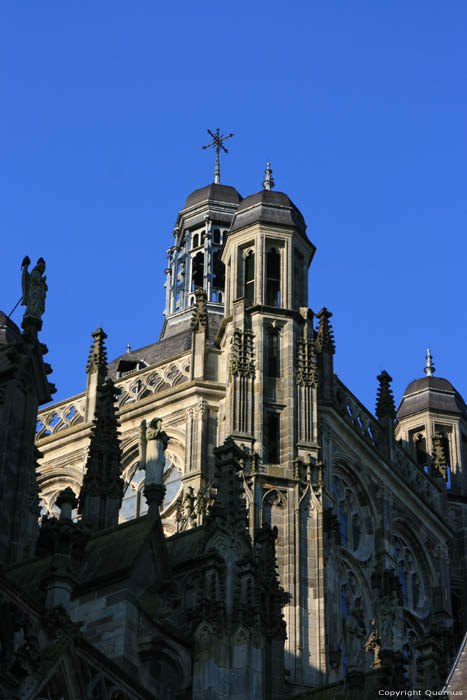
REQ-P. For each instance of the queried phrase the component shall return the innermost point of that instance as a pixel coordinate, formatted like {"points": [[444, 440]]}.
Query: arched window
{"points": [[216, 236], [273, 278], [134, 504], [348, 512], [273, 353], [197, 275], [250, 278], [195, 241], [409, 575]]}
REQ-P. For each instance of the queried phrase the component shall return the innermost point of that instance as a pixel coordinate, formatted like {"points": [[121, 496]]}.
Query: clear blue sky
{"points": [[361, 108]]}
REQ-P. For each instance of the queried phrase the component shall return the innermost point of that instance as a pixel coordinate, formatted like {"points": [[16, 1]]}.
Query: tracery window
{"points": [[348, 512], [352, 599], [409, 575], [134, 504]]}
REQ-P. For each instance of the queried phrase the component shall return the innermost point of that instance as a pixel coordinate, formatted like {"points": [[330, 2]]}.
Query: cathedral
{"points": [[217, 516]]}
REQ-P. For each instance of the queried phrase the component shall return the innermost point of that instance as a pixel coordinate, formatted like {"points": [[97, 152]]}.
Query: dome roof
{"points": [[431, 393], [269, 207], [9, 331], [213, 193]]}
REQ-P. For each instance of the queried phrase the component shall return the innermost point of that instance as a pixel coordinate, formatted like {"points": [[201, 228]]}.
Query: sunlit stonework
{"points": [[259, 454]]}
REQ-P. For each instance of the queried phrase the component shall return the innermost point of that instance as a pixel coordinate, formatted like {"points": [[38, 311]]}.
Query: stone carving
{"points": [[153, 443], [34, 288], [199, 318], [242, 354], [355, 633], [306, 363]]}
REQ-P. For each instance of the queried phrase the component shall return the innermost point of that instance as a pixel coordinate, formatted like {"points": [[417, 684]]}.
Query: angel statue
{"points": [[34, 288], [152, 445]]}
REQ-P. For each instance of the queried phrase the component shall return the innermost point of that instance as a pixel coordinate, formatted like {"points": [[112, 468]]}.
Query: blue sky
{"points": [[361, 108]]}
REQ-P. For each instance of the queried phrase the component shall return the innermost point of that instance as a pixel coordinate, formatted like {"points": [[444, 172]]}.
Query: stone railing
{"points": [[418, 480], [151, 380], [355, 413], [368, 428], [59, 416], [134, 387]]}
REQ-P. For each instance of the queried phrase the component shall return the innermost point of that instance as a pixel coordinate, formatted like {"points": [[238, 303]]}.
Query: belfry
{"points": [[220, 516]]}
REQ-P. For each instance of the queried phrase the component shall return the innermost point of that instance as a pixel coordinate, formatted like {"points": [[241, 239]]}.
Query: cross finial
{"points": [[268, 182], [429, 366], [217, 143]]}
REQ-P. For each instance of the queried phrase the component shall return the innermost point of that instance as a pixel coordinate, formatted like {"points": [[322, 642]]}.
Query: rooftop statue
{"points": [[153, 443], [34, 288]]}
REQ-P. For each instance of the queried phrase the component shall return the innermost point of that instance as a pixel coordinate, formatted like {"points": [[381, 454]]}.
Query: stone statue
{"points": [[153, 443], [384, 618], [355, 633], [390, 622], [34, 288]]}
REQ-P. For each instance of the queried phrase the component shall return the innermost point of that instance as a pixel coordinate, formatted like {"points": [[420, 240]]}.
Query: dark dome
{"points": [[213, 193], [9, 331], [431, 393], [269, 207]]}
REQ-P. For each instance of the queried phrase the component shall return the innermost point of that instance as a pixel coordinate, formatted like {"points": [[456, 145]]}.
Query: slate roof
{"points": [[109, 554], [269, 207], [170, 345], [9, 331], [431, 393], [213, 193]]}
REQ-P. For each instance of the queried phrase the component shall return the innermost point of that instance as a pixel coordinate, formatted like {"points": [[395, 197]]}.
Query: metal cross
{"points": [[217, 144]]}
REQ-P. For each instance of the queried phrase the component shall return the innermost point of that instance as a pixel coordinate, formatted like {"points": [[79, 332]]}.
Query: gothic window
{"points": [[197, 275], [348, 512], [250, 277], [134, 504], [409, 575], [273, 353], [195, 241], [352, 599], [273, 277], [216, 236], [272, 431]]}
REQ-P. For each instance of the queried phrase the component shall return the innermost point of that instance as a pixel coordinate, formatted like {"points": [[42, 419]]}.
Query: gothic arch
{"points": [[403, 533], [356, 511]]}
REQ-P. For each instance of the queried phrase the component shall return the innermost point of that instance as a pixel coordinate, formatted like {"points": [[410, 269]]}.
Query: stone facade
{"points": [[271, 461]]}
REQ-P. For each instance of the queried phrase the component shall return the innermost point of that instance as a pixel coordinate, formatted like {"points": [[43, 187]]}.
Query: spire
{"points": [[229, 506], [439, 463], [325, 336], [217, 143], [429, 366], [102, 490], [97, 361], [268, 182], [385, 400]]}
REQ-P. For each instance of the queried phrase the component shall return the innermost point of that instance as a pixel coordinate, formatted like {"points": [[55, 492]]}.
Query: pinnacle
{"points": [[97, 361], [385, 406], [325, 336]]}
